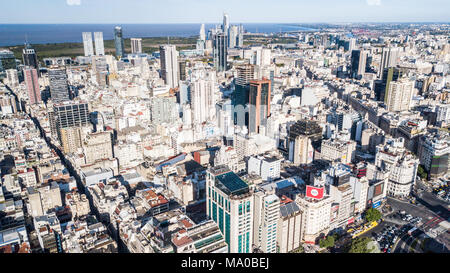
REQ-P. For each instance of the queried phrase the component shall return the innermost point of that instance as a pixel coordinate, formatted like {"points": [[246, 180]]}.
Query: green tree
{"points": [[359, 245], [327, 242], [372, 215], [422, 173]]}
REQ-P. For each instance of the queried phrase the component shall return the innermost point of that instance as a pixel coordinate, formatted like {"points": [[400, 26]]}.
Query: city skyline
{"points": [[322, 11], [226, 138]]}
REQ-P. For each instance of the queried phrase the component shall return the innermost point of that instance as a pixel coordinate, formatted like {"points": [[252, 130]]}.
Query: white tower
{"points": [[169, 65], [99, 47], [87, 43]]}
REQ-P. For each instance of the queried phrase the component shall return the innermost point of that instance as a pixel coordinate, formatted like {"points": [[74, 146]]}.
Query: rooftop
{"points": [[231, 184]]}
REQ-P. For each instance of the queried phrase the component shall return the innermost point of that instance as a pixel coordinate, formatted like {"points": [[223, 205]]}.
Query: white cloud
{"points": [[373, 2], [73, 2]]}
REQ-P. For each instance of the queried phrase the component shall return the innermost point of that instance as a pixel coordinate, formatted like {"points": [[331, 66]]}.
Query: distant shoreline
{"points": [[17, 34]]}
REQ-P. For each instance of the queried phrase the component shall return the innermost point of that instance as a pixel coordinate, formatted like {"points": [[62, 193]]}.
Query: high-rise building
{"points": [[233, 33], [245, 73], [169, 65], [304, 137], [182, 70], [99, 46], [185, 93], [398, 95], [203, 99], [351, 44], [259, 104], [12, 77], [434, 153], [29, 57], [202, 33], [389, 75], [338, 150], [118, 42], [59, 88], [163, 110], [220, 51], [289, 225], [71, 114], [67, 115], [316, 217], [358, 67], [265, 221], [87, 43], [230, 204], [32, 83], [389, 58], [226, 23], [240, 37], [136, 45], [401, 165], [70, 139]]}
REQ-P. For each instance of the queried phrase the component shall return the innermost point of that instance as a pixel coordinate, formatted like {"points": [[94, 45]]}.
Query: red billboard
{"points": [[314, 192]]}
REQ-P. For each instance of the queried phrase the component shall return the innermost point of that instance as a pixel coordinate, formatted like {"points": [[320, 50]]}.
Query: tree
{"points": [[422, 173], [372, 215], [327, 242], [359, 245]]}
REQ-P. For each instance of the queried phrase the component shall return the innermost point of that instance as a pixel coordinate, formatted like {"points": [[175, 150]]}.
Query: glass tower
{"points": [[118, 42]]}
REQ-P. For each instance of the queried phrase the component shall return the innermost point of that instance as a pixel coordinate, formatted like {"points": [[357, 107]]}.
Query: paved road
{"points": [[406, 242], [414, 210]]}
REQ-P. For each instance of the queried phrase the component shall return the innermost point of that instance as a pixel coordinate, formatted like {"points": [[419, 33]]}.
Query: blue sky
{"points": [[210, 11]]}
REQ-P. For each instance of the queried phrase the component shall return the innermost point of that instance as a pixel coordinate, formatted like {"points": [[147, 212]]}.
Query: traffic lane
{"points": [[406, 241], [416, 211], [432, 203]]}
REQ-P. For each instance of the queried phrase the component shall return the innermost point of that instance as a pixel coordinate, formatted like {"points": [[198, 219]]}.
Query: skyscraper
{"points": [[265, 224], [304, 137], [226, 23], [87, 43], [59, 88], [68, 115], [352, 44], [240, 37], [203, 97], [259, 104], [230, 205], [358, 67], [32, 83], [118, 42], [245, 73], [29, 57], [389, 58], [169, 65], [99, 47], [232, 36], [398, 95], [220, 52], [202, 33], [12, 77], [136, 45]]}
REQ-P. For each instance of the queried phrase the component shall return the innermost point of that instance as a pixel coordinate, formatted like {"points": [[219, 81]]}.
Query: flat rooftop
{"points": [[231, 184]]}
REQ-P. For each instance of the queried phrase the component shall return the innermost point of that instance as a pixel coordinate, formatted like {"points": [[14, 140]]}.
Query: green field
{"points": [[149, 45]]}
